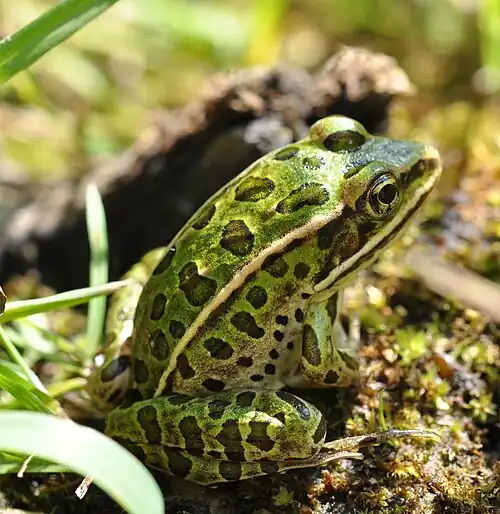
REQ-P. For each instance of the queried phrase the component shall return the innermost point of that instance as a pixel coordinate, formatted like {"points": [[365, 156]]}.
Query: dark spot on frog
{"points": [[184, 367], [275, 265], [282, 320], [158, 307], [301, 408], [147, 417], [176, 328], [115, 368], [246, 362], [165, 262], [299, 315], [178, 464], [254, 189], [368, 441], [245, 322], [274, 354], [289, 345], [279, 336], [280, 416], [158, 345], [237, 238], [320, 432], [245, 399], [230, 437], [332, 377], [213, 385], [256, 378], [331, 307], [286, 153], [197, 289], [344, 141], [204, 218], [192, 433], [134, 449], [268, 467], [218, 348], [230, 471], [310, 349], [269, 369], [141, 372], [259, 437], [307, 194], [131, 396], [301, 270], [257, 297], [327, 234]]}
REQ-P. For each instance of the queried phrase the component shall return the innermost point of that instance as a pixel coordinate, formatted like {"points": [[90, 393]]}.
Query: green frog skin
{"points": [[244, 302]]}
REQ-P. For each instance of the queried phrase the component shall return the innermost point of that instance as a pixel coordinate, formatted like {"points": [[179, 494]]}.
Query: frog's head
{"points": [[382, 185]]}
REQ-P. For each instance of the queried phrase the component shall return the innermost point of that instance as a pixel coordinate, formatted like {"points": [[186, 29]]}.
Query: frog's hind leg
{"points": [[258, 431]]}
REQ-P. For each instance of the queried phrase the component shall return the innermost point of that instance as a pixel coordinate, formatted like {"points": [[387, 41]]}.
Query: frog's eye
{"points": [[383, 195]]}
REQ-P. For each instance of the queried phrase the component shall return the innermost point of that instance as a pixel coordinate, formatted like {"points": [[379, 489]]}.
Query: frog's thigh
{"points": [[242, 427], [328, 355]]}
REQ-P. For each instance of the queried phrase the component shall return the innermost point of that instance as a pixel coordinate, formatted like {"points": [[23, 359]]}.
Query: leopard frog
{"points": [[244, 302]]}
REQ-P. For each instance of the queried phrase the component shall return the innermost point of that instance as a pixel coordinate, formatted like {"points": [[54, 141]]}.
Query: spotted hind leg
{"points": [[254, 431]]}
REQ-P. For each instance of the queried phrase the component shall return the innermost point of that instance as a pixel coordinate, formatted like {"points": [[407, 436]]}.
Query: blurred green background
{"points": [[93, 95]]}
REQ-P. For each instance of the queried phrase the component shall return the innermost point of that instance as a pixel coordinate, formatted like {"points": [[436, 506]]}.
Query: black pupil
{"points": [[387, 193]]}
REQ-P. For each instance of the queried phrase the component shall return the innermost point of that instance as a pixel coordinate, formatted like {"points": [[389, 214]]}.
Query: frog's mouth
{"points": [[425, 174]]}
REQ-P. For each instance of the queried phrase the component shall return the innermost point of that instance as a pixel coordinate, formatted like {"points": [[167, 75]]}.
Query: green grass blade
{"points": [[98, 241], [23, 308], [24, 47], [24, 391], [85, 451], [11, 464], [17, 358], [3, 299]]}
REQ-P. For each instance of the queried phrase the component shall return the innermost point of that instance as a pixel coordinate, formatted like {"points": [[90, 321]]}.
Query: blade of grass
{"points": [[24, 47], [16, 357], [98, 241], [55, 390], [85, 451], [25, 392], [22, 308], [10, 464], [3, 299]]}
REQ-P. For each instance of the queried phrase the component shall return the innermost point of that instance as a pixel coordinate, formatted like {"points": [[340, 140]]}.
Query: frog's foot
{"points": [[352, 444]]}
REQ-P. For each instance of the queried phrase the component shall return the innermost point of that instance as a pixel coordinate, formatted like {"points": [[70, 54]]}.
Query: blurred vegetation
{"points": [[93, 95]]}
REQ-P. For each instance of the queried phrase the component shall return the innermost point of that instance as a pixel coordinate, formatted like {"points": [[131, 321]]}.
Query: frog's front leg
{"points": [[328, 354]]}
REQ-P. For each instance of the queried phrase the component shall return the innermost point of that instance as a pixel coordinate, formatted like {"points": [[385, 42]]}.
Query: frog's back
{"points": [[212, 261]]}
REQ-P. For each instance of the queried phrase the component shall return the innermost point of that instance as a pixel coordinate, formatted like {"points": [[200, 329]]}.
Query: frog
{"points": [[218, 329]]}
